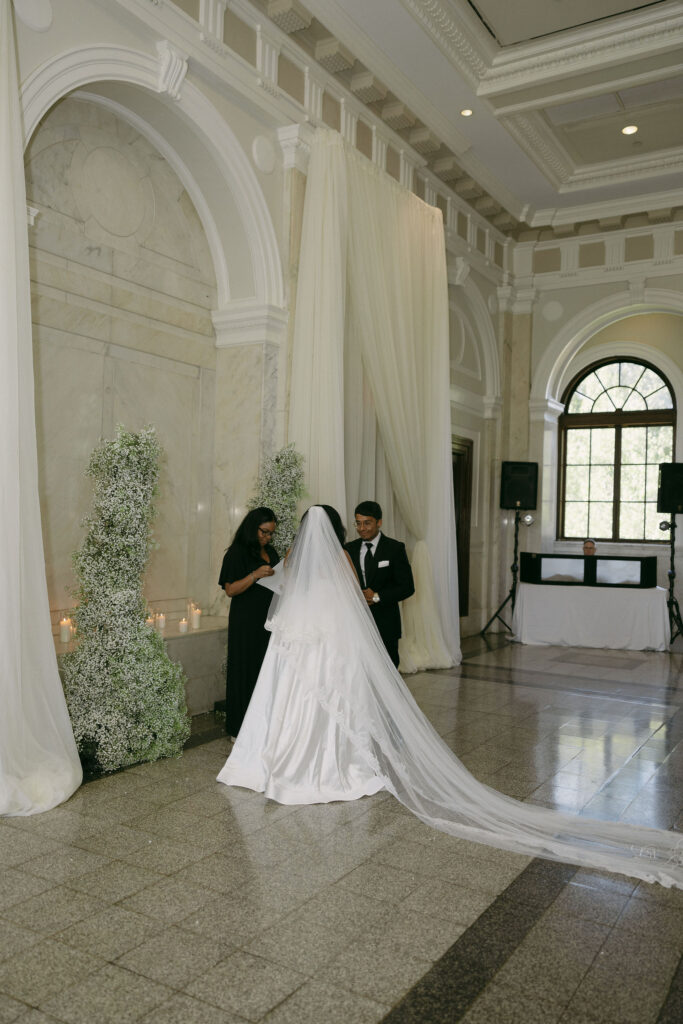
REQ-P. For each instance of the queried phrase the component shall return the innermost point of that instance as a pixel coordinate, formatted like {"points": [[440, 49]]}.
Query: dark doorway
{"points": [[463, 450]]}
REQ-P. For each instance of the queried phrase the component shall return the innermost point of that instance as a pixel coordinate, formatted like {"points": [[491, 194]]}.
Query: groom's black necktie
{"points": [[369, 563]]}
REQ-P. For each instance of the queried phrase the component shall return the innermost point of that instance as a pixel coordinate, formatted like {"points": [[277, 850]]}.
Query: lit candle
{"points": [[182, 626], [150, 621], [196, 618], [65, 630], [161, 622], [73, 629]]}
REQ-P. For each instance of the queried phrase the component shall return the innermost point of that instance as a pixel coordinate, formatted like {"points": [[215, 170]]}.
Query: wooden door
{"points": [[463, 451]]}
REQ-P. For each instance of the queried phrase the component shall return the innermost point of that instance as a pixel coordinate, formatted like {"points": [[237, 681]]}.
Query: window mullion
{"points": [[617, 483]]}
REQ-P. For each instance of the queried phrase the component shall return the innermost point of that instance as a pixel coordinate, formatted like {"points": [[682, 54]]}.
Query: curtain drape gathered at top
{"points": [[369, 399], [39, 764]]}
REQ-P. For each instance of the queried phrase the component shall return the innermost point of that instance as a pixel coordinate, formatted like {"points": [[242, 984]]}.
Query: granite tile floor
{"points": [[157, 895]]}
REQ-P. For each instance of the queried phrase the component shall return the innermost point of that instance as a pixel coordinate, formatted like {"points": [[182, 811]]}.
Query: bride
{"points": [[332, 719]]}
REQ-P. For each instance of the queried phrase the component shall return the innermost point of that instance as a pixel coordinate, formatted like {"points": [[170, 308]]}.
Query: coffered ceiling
{"points": [[551, 84]]}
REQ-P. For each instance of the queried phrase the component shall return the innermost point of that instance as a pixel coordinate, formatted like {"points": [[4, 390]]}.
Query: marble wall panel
{"points": [[201, 570], [237, 445], [167, 310], [167, 399], [60, 235], [123, 287], [67, 277], [68, 425], [68, 313], [162, 277]]}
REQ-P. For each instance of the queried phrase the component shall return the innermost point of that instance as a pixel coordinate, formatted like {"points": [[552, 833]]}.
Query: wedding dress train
{"points": [[332, 719]]}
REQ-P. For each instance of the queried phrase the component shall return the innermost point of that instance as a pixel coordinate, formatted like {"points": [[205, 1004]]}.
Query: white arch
{"points": [[77, 68], [550, 376], [484, 332]]}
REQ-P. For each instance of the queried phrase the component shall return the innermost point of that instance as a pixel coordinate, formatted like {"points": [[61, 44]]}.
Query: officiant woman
{"points": [[250, 557]]}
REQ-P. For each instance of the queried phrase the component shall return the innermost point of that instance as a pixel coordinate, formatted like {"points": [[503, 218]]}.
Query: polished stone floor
{"points": [[157, 895]]}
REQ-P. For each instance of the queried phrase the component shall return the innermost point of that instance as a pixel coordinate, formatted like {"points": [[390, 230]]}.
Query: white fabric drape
{"points": [[39, 764], [369, 402]]}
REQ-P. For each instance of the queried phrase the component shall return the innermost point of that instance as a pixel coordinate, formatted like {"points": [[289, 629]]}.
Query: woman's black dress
{"points": [[247, 639]]}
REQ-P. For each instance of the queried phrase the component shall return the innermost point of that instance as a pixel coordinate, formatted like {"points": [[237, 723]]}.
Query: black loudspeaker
{"points": [[670, 489], [518, 485]]}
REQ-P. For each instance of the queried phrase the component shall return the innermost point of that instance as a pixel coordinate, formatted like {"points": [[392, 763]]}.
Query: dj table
{"points": [[620, 608]]}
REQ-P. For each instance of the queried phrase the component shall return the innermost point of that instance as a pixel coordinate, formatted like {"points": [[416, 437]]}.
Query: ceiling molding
{"points": [[641, 32], [552, 216], [537, 140], [534, 136], [493, 69], [610, 172], [465, 48]]}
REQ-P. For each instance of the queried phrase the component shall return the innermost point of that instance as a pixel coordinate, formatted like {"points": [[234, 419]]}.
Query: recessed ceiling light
{"points": [[630, 129], [466, 112]]}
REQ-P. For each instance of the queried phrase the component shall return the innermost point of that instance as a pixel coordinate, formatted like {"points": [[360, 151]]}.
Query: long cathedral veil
{"points": [[320, 606]]}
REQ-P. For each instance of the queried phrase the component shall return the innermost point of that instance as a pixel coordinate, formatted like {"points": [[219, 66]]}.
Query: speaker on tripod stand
{"points": [[670, 501], [519, 485], [518, 491]]}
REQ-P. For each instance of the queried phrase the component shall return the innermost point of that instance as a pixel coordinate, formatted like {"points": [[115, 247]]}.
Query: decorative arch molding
{"points": [[618, 349], [476, 310], [551, 374], [76, 69]]}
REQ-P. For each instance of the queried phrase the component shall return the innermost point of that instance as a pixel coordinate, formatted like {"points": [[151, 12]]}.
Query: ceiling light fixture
{"points": [[630, 129], [466, 112]]}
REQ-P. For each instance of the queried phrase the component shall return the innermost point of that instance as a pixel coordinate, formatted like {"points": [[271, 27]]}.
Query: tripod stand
{"points": [[514, 568], [675, 623]]}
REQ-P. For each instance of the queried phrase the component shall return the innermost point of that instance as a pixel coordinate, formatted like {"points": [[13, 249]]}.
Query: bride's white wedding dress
{"points": [[332, 719]]}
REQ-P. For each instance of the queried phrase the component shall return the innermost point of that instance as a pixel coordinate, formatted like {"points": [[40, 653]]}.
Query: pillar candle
{"points": [[150, 621], [182, 626], [65, 630], [196, 618], [161, 622]]}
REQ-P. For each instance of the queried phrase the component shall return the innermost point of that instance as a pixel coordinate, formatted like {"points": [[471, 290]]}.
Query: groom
{"points": [[384, 573]]}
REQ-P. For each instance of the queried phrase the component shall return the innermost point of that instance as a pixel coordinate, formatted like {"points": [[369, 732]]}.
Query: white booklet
{"points": [[276, 581]]}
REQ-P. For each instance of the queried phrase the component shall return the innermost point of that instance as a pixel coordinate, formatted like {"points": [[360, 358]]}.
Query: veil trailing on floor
{"points": [[320, 618]]}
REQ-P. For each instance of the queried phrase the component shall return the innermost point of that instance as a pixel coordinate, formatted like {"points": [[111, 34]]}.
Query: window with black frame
{"points": [[617, 427]]}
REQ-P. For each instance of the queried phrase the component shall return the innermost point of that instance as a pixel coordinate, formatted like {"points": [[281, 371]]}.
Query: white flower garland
{"points": [[125, 696]]}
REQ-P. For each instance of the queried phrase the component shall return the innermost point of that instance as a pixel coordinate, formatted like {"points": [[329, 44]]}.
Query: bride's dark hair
{"points": [[335, 520]]}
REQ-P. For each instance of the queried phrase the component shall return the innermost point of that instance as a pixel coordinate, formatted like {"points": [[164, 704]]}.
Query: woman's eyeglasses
{"points": [[266, 533]]}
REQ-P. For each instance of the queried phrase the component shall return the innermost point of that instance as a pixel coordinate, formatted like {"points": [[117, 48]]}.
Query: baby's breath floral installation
{"points": [[280, 486], [125, 696]]}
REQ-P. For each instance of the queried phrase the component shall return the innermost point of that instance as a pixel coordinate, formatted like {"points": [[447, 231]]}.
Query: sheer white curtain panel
{"points": [[39, 764], [371, 338]]}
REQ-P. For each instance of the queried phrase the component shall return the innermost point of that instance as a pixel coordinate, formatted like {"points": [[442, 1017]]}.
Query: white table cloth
{"points": [[610, 617]]}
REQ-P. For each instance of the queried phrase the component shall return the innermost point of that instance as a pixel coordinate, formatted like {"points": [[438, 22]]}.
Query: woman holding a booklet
{"points": [[250, 557]]}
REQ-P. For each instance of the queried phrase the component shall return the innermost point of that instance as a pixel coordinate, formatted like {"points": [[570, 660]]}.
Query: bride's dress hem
{"points": [[294, 796]]}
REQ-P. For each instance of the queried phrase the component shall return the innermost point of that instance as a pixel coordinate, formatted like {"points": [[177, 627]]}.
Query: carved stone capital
{"points": [[295, 141], [458, 271], [249, 323]]}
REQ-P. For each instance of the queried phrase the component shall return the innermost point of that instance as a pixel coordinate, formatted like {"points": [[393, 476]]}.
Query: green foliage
{"points": [[125, 696], [280, 486]]}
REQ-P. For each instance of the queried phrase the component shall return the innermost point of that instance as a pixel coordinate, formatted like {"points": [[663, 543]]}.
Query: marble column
{"points": [[249, 414]]}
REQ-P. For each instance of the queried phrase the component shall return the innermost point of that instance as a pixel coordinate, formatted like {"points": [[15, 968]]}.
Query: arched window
{"points": [[618, 425]]}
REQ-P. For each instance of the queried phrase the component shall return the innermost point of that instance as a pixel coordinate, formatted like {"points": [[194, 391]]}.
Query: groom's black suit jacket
{"points": [[391, 578]]}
